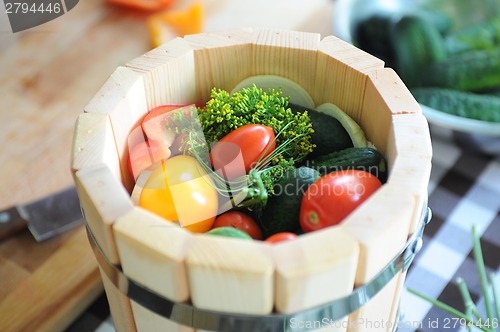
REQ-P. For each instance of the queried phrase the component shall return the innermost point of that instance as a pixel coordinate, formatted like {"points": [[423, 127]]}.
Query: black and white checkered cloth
{"points": [[464, 190]]}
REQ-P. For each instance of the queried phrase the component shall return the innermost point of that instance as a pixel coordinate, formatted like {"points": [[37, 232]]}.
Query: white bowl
{"points": [[348, 13]]}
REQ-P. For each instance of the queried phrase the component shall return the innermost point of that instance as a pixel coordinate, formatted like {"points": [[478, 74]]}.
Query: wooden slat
{"points": [[215, 53], [385, 96], [231, 275], [341, 75], [103, 200], [35, 304], [123, 99], [291, 54], [396, 309], [148, 321], [119, 306], [152, 252], [172, 62], [380, 225], [306, 267], [409, 153], [94, 144]]}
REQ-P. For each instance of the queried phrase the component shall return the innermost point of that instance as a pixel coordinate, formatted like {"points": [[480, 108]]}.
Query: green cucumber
{"points": [[365, 159], [470, 71], [372, 35], [460, 103], [352, 127], [227, 231], [281, 213], [481, 36], [329, 133], [417, 43]]}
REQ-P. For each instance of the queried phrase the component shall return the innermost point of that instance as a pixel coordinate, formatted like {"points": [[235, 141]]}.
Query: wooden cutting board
{"points": [[45, 287], [47, 76]]}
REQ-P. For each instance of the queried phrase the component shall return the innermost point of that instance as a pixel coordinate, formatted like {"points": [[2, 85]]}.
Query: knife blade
{"points": [[44, 217]]}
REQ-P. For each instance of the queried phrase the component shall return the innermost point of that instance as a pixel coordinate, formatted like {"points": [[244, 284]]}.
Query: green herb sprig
{"points": [[471, 316], [225, 112]]}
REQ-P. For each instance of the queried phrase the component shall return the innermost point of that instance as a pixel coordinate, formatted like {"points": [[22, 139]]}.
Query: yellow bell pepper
{"points": [[168, 24]]}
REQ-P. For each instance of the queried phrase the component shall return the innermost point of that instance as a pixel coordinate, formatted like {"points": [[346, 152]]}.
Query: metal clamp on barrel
{"points": [[187, 314]]}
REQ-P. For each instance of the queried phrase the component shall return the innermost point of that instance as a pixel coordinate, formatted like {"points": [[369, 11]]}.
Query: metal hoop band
{"points": [[187, 314]]}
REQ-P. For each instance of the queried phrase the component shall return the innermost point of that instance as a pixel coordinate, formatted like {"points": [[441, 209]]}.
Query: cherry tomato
{"points": [[332, 197], [155, 123], [252, 141], [241, 221], [145, 154], [281, 237], [180, 190]]}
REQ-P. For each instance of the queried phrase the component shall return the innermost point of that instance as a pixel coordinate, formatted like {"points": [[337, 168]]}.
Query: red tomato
{"points": [[332, 197], [252, 141], [145, 154], [281, 237], [241, 221], [155, 123]]}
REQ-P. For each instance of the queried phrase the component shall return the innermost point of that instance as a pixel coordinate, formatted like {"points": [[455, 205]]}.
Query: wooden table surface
{"points": [[47, 75]]}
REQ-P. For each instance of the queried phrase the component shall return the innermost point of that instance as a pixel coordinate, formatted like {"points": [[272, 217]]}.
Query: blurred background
{"points": [[48, 74]]}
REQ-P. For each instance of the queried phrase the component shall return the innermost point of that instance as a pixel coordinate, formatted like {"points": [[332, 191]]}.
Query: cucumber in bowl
{"points": [[463, 30]]}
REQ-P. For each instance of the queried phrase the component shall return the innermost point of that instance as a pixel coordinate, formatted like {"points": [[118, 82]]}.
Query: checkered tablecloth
{"points": [[464, 190]]}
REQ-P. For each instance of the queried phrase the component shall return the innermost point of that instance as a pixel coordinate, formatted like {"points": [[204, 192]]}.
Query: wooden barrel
{"points": [[235, 277]]}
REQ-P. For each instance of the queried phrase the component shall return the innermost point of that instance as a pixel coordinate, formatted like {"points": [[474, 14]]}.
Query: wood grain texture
{"points": [[171, 61], [380, 225], [152, 252], [341, 75], [56, 306], [290, 54], [123, 99], [385, 96], [412, 166], [147, 321], [214, 53], [94, 144], [119, 306], [306, 267], [220, 279], [103, 200]]}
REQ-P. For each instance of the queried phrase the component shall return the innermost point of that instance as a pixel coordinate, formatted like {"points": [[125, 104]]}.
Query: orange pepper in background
{"points": [[168, 24], [149, 5]]}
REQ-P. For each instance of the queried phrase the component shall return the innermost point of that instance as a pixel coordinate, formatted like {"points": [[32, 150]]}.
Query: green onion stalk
{"points": [[471, 316], [254, 186]]}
